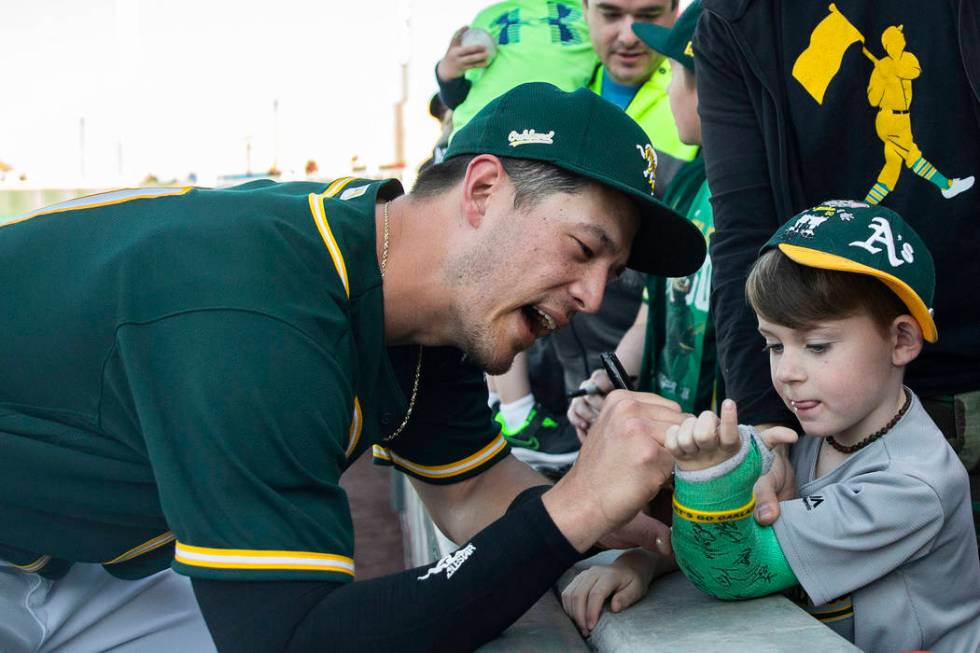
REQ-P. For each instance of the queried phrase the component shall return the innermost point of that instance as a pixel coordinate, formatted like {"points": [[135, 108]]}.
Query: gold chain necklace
{"points": [[418, 365]]}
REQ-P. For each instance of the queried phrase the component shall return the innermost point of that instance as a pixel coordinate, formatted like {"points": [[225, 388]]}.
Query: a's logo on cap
{"points": [[529, 136], [650, 156], [688, 50], [881, 233]]}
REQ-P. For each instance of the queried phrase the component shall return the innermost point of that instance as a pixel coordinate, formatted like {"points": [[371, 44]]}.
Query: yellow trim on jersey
{"points": [[713, 516], [35, 566], [320, 218], [337, 185], [356, 425], [145, 547], [58, 208], [443, 471], [199, 556]]}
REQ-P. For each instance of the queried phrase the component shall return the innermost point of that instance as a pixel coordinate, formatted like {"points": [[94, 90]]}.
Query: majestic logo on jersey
{"points": [[812, 501], [529, 136], [650, 156], [805, 225], [451, 563], [881, 233], [351, 193]]}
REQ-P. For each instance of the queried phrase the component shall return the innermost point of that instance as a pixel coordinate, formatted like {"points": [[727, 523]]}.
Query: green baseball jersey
{"points": [[679, 359], [536, 41], [188, 372]]}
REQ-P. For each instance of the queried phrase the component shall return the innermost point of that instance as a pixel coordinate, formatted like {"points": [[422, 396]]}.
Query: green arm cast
{"points": [[737, 559]]}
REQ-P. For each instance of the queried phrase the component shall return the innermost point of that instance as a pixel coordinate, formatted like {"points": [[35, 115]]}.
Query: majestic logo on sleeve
{"points": [[529, 136], [889, 91], [650, 156], [450, 563], [881, 234]]}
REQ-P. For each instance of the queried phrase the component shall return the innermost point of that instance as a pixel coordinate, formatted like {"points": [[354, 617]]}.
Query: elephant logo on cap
{"points": [[650, 156]]}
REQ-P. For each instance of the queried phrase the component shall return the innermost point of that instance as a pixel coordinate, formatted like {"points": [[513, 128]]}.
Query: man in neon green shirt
{"points": [[559, 42], [633, 76]]}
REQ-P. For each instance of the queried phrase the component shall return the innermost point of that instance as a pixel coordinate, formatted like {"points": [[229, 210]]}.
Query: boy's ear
{"points": [[906, 335]]}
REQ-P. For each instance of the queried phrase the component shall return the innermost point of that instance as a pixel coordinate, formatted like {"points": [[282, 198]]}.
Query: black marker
{"points": [[617, 374]]}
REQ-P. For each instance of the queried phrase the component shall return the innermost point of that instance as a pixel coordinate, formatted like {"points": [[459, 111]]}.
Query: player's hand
{"points": [[623, 583], [620, 468], [459, 58], [779, 483], [705, 441], [583, 411]]}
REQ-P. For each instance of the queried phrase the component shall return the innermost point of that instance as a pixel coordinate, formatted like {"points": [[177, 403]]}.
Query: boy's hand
{"points": [[705, 441], [624, 583], [459, 58]]}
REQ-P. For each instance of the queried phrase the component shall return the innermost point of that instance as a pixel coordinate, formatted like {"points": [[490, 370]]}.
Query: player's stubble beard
{"points": [[470, 274]]}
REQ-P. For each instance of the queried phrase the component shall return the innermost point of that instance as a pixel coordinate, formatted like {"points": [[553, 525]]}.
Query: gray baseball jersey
{"points": [[890, 533]]}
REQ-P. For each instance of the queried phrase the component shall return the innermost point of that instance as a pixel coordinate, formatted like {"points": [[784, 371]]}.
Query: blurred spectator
{"points": [[534, 40]]}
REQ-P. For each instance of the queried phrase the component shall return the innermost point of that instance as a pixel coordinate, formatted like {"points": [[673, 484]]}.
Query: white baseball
{"points": [[479, 36]]}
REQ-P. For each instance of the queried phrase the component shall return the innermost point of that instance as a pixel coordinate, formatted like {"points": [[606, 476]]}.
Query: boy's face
{"points": [[841, 377], [683, 95]]}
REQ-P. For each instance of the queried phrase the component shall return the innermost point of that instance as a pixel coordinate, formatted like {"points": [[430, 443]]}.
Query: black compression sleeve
{"points": [[456, 604]]}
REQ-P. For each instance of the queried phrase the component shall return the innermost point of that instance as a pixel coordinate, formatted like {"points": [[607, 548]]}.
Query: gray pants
{"points": [[89, 611]]}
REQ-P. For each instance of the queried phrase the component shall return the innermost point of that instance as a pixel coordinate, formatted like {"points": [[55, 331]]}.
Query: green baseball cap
{"points": [[857, 237], [673, 42], [582, 133]]}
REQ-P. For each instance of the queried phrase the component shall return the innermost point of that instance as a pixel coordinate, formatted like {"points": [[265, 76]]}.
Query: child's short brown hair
{"points": [[796, 296]]}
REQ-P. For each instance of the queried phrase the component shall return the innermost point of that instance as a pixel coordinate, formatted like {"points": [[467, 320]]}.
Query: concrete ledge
{"points": [[676, 616]]}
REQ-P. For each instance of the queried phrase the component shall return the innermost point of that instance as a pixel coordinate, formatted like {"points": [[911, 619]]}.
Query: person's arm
{"points": [[622, 583], [453, 85], [455, 604], [718, 545], [471, 595], [746, 211], [461, 510]]}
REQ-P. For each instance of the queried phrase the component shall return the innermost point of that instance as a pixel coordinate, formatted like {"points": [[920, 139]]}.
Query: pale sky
{"points": [[171, 87]]}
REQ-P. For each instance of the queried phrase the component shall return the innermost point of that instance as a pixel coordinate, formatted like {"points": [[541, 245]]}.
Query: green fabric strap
{"points": [[731, 558]]}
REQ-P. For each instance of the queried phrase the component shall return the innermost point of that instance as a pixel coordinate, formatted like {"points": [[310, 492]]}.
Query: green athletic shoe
{"points": [[541, 439]]}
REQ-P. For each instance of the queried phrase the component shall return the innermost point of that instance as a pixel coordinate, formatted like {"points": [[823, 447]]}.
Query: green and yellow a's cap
{"points": [[856, 237], [582, 133], [673, 42]]}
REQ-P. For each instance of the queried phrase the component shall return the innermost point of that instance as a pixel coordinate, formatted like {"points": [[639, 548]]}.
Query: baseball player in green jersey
{"points": [[188, 372]]}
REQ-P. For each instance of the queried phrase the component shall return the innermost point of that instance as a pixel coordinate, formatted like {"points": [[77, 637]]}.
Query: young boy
{"points": [[880, 542]]}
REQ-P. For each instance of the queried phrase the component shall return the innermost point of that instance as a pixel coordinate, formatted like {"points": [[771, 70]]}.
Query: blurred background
{"points": [[120, 93]]}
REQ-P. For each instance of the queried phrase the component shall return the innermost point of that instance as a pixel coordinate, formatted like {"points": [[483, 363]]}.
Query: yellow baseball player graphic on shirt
{"points": [[889, 89]]}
